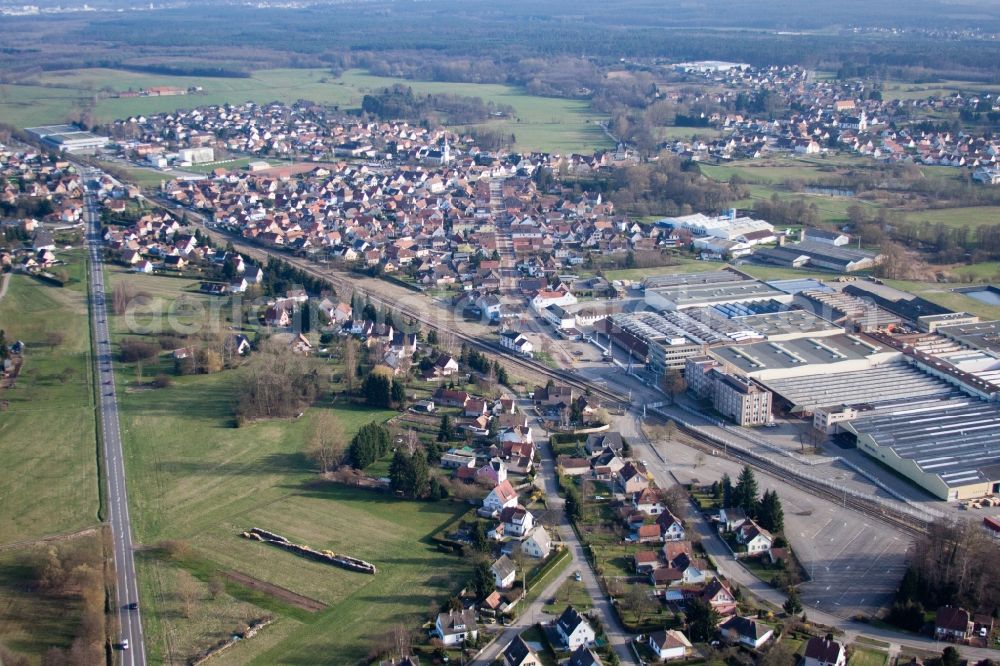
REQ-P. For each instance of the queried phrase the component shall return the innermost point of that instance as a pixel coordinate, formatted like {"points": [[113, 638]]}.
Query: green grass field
{"points": [[28, 105], [767, 171], [766, 178], [197, 478], [541, 123], [47, 433], [907, 91], [865, 657], [48, 444], [143, 177], [985, 271], [768, 273], [972, 216], [229, 165], [685, 266]]}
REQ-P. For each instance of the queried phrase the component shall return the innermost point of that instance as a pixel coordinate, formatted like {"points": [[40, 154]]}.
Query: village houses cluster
{"points": [[424, 202], [830, 115], [49, 193]]}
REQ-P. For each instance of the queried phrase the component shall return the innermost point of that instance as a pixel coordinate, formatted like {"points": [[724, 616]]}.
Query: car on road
{"points": [[577, 576], [124, 643], [133, 605], [771, 424]]}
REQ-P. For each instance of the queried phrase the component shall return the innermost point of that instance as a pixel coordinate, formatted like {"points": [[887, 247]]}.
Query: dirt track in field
{"points": [[276, 591]]}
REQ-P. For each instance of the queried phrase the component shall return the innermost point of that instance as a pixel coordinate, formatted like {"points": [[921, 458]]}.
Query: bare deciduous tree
{"points": [[350, 364], [327, 442], [676, 500], [187, 592], [277, 384], [120, 298], [401, 640], [410, 440]]}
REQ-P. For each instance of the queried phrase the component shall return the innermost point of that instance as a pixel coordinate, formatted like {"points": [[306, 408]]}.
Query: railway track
{"points": [[344, 285], [897, 519]]}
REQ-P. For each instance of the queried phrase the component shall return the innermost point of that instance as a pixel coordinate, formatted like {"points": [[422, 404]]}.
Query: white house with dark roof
{"points": [[584, 656], [746, 631], [517, 521], [574, 630], [671, 528], [519, 653], [756, 539], [454, 627], [516, 342], [824, 651]]}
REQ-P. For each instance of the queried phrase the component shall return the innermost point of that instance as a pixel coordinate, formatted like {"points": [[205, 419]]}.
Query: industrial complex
{"points": [[69, 138], [909, 383]]}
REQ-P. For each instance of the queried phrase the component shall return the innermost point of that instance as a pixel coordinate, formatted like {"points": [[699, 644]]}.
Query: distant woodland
{"points": [[555, 47]]}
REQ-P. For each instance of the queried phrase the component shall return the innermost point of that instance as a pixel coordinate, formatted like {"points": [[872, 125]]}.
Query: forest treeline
{"points": [[400, 102], [524, 44]]}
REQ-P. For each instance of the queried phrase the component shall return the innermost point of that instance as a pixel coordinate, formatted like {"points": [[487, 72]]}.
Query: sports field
{"points": [[540, 123]]}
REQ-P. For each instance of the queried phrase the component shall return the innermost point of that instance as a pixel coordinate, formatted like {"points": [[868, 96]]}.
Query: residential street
{"points": [[727, 565], [546, 479]]}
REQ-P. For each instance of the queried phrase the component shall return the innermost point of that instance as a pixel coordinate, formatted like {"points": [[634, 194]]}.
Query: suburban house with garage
{"points": [[669, 645], [745, 631], [454, 627], [952, 623]]}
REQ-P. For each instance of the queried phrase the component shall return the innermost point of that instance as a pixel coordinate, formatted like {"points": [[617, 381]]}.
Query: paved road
{"points": [[616, 634], [728, 566], [126, 591]]}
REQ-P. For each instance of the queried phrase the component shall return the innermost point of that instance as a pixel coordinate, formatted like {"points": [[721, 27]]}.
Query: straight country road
{"points": [[130, 642]]}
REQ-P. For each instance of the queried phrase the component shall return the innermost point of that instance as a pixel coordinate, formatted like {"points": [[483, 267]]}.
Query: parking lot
{"points": [[854, 563]]}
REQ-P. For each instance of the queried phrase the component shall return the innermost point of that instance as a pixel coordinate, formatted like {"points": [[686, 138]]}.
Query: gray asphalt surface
{"points": [[546, 479], [127, 590]]}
